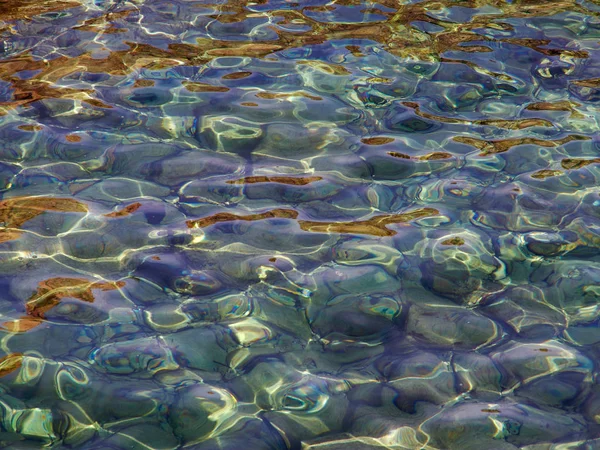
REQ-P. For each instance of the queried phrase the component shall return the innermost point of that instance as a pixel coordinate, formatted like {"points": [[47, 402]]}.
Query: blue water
{"points": [[299, 225]]}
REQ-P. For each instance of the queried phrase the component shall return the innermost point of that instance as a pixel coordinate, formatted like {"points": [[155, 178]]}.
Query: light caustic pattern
{"points": [[299, 225]]}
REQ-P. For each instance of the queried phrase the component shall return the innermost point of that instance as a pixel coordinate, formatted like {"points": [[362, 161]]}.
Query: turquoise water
{"points": [[299, 225]]}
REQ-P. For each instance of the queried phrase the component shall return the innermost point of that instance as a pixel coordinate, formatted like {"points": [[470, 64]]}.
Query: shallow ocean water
{"points": [[299, 224]]}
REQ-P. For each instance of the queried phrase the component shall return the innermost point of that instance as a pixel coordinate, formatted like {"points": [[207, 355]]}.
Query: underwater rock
{"points": [[573, 287], [226, 308], [246, 432], [526, 310], [143, 357], [420, 377], [477, 374], [358, 317], [549, 244], [460, 266], [230, 134], [217, 342], [342, 443], [525, 362], [358, 252], [118, 189], [198, 410], [345, 165], [309, 408], [187, 166], [560, 391], [353, 280], [16, 212], [451, 327], [521, 208], [502, 425]]}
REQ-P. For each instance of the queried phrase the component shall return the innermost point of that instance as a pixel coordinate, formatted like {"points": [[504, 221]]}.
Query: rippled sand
{"points": [[299, 224]]}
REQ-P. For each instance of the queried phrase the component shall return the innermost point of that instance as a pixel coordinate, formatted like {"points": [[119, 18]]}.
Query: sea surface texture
{"points": [[285, 225]]}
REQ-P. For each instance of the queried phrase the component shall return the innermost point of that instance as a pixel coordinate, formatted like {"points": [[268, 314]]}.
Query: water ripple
{"points": [[283, 225]]}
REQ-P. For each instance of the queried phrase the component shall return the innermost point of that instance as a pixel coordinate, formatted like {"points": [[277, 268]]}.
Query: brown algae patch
{"points": [[10, 363], [562, 105], [9, 235], [97, 103], [14, 212], [125, 211], [236, 75], [104, 23], [21, 325], [392, 34], [536, 44], [26, 9], [50, 292], [251, 50], [355, 51], [517, 124], [229, 217], [546, 173], [204, 87], [577, 163], [328, 68], [589, 83], [375, 226], [377, 140], [399, 155], [503, 145], [453, 241], [30, 127], [143, 83], [292, 181], [275, 95], [435, 156]]}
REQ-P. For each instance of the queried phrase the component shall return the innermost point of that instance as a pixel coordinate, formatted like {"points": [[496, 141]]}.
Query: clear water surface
{"points": [[299, 224]]}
